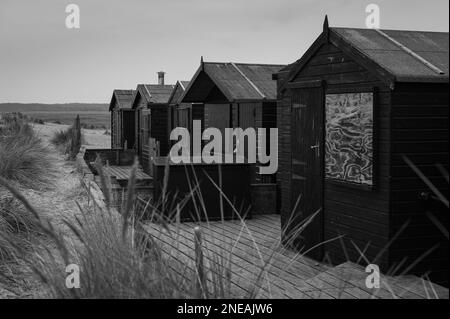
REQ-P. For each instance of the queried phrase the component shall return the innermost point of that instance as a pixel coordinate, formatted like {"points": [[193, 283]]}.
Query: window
{"points": [[349, 138]]}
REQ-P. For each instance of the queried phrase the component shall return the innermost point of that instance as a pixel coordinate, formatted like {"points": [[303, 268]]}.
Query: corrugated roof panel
{"points": [[123, 98], [244, 81], [429, 47], [421, 40], [155, 93], [439, 59], [230, 81], [261, 76], [401, 65], [160, 93]]}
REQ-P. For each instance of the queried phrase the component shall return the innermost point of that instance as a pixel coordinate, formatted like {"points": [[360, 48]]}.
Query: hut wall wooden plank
{"points": [[128, 120], [140, 104], [115, 126], [420, 131], [160, 127]]}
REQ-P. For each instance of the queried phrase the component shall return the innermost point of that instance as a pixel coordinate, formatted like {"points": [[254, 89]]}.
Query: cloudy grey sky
{"points": [[122, 43]]}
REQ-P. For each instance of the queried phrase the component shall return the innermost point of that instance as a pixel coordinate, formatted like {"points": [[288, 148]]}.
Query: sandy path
{"points": [[93, 138]]}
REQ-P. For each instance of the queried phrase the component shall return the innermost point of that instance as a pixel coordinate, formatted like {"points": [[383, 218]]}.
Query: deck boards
{"points": [[287, 274], [122, 173]]}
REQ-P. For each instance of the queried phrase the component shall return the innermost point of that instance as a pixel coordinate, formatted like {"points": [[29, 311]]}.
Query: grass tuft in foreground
{"points": [[119, 259]]}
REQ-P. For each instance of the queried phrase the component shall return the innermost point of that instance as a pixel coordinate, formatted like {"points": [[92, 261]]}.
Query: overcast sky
{"points": [[123, 43]]}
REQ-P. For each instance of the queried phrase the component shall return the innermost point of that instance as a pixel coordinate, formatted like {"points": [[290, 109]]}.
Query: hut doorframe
{"points": [[312, 204]]}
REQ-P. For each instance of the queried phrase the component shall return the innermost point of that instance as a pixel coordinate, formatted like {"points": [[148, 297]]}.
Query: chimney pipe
{"points": [[161, 77]]}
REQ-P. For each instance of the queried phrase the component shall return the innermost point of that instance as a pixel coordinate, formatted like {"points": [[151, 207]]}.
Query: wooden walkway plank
{"points": [[250, 255], [122, 173], [242, 261], [183, 253], [294, 260], [244, 275], [318, 284], [388, 287], [289, 279], [266, 250], [417, 284], [288, 274]]}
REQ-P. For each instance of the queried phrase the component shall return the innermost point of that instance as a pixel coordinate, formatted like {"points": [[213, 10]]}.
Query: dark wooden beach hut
{"points": [[180, 113], [361, 115], [230, 95], [152, 119], [122, 119]]}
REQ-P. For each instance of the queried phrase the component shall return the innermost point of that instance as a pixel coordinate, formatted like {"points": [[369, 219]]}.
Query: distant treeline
{"points": [[36, 107], [92, 115]]}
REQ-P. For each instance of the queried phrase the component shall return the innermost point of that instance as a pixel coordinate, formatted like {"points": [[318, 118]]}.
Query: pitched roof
{"points": [[123, 98], [237, 81], [154, 93], [396, 56], [411, 56], [178, 91]]}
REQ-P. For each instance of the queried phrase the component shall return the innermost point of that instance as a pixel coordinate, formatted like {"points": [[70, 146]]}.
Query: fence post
{"points": [[76, 137]]}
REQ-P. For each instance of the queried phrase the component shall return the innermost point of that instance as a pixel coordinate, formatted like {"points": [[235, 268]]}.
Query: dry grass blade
{"points": [[131, 194], [438, 224]]}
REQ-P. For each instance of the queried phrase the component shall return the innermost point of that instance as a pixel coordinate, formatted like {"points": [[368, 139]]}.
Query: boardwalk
{"points": [[286, 275], [122, 173]]}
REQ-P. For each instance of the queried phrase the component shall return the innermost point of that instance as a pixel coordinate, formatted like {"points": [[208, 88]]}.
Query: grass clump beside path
{"points": [[24, 159], [69, 141], [26, 163]]}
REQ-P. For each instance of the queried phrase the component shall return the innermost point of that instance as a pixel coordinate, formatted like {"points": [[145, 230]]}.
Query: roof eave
{"points": [[113, 98], [430, 80], [254, 100]]}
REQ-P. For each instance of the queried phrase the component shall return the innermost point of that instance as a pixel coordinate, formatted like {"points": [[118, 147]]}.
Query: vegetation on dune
{"points": [[26, 162], [119, 259], [62, 137], [69, 141], [17, 224], [23, 157]]}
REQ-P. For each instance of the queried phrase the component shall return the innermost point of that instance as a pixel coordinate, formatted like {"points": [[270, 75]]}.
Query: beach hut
{"points": [[231, 95], [180, 113], [122, 119], [152, 118], [361, 115]]}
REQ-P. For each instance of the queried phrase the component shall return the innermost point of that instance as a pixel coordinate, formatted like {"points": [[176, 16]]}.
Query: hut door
{"points": [[307, 168]]}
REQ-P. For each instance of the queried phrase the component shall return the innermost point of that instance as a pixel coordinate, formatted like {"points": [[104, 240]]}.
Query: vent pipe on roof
{"points": [[161, 77]]}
